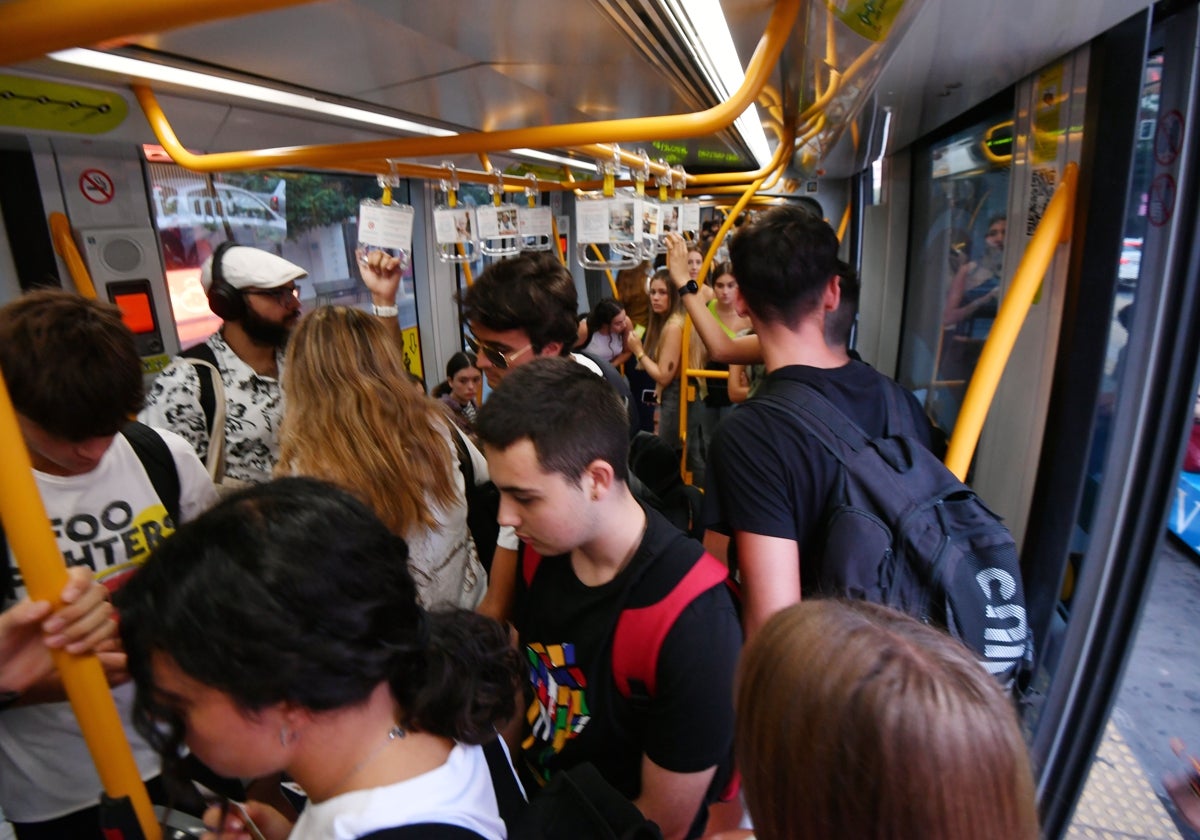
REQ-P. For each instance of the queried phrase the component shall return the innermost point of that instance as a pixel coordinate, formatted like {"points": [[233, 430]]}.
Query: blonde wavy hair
{"points": [[352, 418]]}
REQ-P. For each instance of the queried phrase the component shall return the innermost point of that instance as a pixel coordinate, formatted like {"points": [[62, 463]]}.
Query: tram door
{"points": [[1125, 379]]}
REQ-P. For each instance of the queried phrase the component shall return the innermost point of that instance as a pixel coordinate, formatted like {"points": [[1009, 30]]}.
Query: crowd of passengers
{"points": [[330, 624]]}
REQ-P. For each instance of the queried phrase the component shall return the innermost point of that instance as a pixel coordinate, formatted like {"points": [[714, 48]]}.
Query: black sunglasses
{"points": [[495, 355]]}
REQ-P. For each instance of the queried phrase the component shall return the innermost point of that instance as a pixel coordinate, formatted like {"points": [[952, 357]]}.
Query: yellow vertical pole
{"points": [[1053, 229], [27, 530]]}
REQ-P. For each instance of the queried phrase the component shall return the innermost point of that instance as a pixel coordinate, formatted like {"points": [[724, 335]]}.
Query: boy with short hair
{"points": [[555, 439], [75, 378]]}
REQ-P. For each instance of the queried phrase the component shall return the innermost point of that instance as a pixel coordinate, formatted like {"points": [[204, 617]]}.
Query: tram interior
{"points": [[932, 132]]}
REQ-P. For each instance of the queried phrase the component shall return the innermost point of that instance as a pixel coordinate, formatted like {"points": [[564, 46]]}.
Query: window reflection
{"points": [[960, 196], [306, 217]]}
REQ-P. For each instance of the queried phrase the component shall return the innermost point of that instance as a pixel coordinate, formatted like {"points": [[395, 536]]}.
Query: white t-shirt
{"points": [[458, 793], [109, 518]]}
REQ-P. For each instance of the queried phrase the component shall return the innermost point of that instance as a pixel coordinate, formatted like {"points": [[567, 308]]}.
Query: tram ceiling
{"points": [[466, 65], [482, 66], [959, 53]]}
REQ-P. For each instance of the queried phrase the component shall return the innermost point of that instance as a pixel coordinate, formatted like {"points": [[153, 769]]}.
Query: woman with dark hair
{"points": [[602, 332], [280, 631], [854, 720], [461, 390]]}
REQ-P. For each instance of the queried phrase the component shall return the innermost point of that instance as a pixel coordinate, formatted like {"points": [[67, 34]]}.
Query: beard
{"points": [[269, 333]]}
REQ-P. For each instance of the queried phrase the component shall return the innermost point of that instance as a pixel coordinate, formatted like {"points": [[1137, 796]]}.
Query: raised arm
{"points": [[381, 273], [743, 350]]}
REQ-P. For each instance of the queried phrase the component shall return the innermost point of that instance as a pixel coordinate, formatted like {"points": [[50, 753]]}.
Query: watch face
{"points": [[690, 288]]}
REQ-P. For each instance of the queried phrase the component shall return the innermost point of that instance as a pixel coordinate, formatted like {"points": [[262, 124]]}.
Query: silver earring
{"points": [[284, 736]]}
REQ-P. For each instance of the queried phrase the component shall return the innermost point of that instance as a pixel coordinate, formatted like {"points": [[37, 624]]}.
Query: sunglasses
{"points": [[282, 296], [494, 354]]}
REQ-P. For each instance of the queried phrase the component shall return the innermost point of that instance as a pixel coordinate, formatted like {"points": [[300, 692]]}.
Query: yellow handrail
{"points": [[64, 245], [1052, 230], [709, 121], [31, 29], [27, 529]]}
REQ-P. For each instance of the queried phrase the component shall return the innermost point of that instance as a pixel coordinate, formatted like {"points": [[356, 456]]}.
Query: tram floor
{"points": [[1159, 700]]}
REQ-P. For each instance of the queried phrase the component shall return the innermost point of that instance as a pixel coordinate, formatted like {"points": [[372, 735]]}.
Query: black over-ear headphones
{"points": [[223, 299]]}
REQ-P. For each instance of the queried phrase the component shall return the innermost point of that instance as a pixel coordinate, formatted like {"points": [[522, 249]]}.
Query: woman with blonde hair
{"points": [[854, 720], [352, 419]]}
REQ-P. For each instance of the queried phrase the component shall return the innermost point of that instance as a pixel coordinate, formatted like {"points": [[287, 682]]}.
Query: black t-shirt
{"points": [[576, 711], [767, 476]]}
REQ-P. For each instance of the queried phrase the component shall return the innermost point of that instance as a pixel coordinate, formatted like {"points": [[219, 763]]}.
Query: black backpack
{"points": [[901, 530], [654, 478]]}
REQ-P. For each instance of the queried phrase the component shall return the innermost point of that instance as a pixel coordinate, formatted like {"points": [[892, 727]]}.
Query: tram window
{"points": [[960, 197], [307, 218]]}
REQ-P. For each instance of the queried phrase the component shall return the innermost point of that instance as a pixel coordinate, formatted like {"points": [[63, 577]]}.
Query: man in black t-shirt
{"points": [[768, 479], [554, 436]]}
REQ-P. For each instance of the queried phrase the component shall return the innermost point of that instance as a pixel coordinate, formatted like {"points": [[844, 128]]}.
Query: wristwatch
{"points": [[689, 288]]}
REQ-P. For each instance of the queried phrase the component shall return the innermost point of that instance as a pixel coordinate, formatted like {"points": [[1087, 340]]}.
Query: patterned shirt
{"points": [[253, 409]]}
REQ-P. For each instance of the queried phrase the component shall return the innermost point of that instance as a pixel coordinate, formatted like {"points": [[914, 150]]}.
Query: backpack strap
{"points": [[464, 458], [156, 460], [641, 631], [424, 831], [822, 418], [528, 560], [208, 399], [510, 800]]}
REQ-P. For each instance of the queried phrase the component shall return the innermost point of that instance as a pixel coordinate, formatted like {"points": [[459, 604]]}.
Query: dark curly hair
{"points": [[294, 591], [533, 292]]}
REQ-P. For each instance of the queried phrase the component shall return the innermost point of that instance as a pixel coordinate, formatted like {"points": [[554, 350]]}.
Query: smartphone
{"points": [[649, 397], [240, 809]]}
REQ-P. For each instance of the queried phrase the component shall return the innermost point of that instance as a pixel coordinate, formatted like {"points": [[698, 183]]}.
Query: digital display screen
{"points": [[136, 311]]}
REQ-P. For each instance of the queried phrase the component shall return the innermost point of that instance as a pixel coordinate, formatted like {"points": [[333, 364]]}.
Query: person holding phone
{"points": [[281, 632], [660, 354]]}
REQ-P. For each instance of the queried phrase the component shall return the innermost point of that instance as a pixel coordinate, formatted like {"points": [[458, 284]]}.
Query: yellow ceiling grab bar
{"points": [[27, 529], [709, 121], [1052, 230], [31, 29]]}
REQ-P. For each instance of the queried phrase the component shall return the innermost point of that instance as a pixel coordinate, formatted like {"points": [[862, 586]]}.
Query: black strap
{"points": [[465, 466], [509, 799], [424, 831], [156, 459], [819, 416], [208, 394]]}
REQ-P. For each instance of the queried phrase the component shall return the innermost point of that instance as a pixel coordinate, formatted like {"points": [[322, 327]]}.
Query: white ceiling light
{"points": [[166, 74], [703, 27]]}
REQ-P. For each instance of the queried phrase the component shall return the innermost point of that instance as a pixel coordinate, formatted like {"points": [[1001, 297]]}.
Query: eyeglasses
{"points": [[282, 296], [494, 354]]}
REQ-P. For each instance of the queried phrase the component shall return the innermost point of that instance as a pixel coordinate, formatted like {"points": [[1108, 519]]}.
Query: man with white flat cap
{"points": [[254, 293]]}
